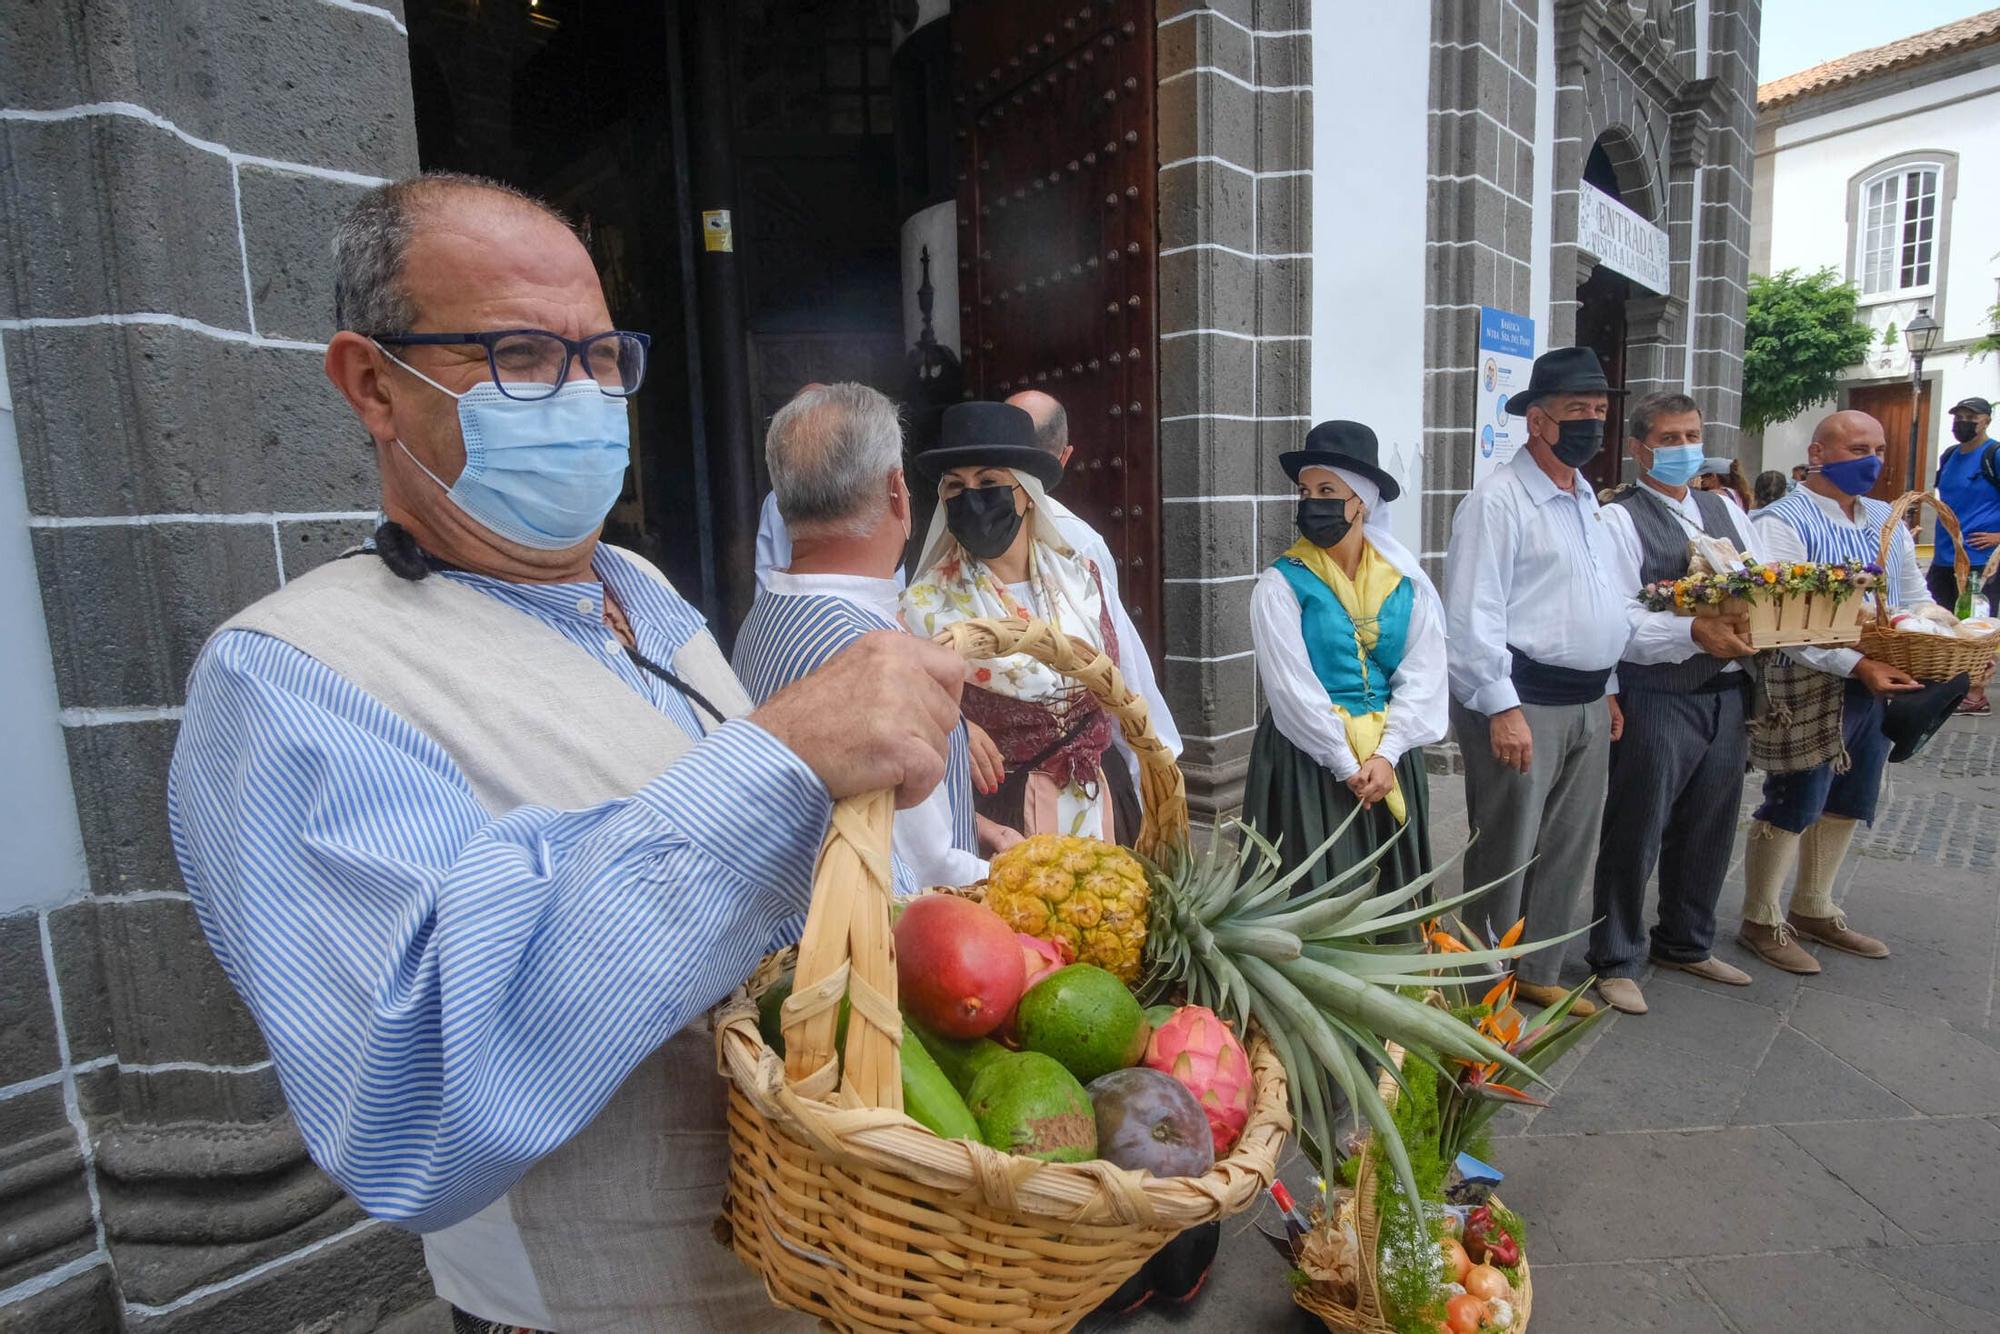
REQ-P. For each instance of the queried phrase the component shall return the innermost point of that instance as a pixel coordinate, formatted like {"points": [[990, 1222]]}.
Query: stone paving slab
{"points": [[1620, 1297], [1820, 1292], [1965, 1273], [1666, 1195], [1927, 1062], [1937, 1179], [1637, 1084], [1801, 1081]]}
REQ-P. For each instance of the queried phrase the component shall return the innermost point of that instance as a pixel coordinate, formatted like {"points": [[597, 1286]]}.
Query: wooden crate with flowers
{"points": [[1364, 1259], [1803, 604]]}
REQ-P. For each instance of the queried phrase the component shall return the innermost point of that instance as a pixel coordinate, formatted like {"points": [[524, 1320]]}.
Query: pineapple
{"points": [[1085, 891]]}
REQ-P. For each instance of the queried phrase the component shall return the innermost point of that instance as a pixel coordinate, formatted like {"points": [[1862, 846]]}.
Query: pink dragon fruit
{"points": [[1197, 1048]]}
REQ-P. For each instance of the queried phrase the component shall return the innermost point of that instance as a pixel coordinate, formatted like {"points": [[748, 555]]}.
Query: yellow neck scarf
{"points": [[1362, 598]]}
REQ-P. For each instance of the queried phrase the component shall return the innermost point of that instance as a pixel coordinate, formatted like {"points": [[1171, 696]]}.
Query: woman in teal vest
{"points": [[1350, 650]]}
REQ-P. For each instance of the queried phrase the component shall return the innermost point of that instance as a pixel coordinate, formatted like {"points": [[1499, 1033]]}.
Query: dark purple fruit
{"points": [[1147, 1121]]}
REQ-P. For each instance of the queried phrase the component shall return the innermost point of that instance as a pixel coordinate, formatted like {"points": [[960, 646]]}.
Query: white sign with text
{"points": [[1622, 240]]}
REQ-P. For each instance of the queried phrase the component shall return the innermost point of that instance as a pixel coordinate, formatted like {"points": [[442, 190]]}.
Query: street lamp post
{"points": [[1921, 337]]}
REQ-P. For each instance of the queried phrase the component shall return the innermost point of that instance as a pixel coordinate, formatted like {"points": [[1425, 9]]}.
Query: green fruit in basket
{"points": [[771, 1021], [1086, 1019], [1026, 1103], [928, 1097], [961, 1061]]}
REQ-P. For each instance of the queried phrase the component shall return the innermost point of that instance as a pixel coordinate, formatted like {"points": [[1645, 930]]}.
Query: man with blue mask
{"points": [[1809, 811], [477, 819], [1677, 772]]}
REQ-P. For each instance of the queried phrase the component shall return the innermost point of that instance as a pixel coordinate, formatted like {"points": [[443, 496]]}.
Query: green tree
{"points": [[1801, 334]]}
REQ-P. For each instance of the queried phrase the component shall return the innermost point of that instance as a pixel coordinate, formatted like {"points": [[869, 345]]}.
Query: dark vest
{"points": [[1663, 554]]}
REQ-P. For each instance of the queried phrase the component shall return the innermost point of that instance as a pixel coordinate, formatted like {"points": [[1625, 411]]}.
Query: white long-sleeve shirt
{"points": [[1781, 542], [1528, 566], [1665, 636], [1300, 705]]}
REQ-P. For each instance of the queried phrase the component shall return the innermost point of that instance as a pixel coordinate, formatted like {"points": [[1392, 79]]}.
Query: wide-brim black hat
{"points": [[1341, 444], [1912, 718], [988, 435], [1562, 370]]}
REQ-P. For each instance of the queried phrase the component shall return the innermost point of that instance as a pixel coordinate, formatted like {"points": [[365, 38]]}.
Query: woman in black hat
{"points": [[1350, 651], [994, 551]]}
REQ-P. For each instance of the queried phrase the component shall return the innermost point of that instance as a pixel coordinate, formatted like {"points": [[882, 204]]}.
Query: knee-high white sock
{"points": [[1768, 857], [1822, 848]]}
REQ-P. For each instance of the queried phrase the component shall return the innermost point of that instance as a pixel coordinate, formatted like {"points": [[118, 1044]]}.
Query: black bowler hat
{"points": [[1561, 370], [1339, 444], [1910, 719], [1979, 407], [988, 435]]}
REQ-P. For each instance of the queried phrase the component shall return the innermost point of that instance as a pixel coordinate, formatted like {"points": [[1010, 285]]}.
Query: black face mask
{"points": [[1323, 522], [983, 520], [1964, 430], [1577, 442]]}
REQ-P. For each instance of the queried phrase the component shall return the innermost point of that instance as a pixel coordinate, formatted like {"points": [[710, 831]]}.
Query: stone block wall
{"points": [[169, 171], [1235, 192]]}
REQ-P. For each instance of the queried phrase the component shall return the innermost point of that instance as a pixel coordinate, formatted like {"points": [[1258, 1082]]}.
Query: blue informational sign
{"points": [[1506, 357]]}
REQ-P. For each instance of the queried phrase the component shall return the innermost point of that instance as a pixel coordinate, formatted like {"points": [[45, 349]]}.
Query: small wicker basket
{"points": [[1365, 1316], [853, 1212], [1925, 656]]}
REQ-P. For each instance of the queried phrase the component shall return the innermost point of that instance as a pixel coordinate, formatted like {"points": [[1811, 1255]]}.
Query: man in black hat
{"points": [[1536, 629], [1968, 480]]}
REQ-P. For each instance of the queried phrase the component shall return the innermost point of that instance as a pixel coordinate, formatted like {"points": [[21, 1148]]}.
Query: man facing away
{"points": [[479, 823], [1536, 629], [1807, 817], [1052, 434], [835, 455], [1968, 480], [1677, 772]]}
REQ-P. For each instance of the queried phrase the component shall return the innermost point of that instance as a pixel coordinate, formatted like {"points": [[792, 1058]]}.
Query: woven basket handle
{"points": [[1905, 504], [847, 949], [1162, 790]]}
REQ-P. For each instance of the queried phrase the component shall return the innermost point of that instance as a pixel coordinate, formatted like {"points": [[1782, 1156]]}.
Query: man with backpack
{"points": [[1968, 480]]}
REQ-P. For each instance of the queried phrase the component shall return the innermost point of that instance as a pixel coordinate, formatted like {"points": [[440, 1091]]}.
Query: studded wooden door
{"points": [[1058, 242]]}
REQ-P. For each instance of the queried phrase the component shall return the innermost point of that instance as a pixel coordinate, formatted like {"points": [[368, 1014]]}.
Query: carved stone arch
{"points": [[1639, 187]]}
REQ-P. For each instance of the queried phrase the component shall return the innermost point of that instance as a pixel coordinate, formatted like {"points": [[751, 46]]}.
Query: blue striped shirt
{"points": [[449, 995], [790, 633]]}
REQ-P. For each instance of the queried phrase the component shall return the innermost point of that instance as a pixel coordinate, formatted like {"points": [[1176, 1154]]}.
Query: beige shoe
{"points": [[1833, 931], [1622, 994], [1712, 969], [1776, 946], [1550, 995]]}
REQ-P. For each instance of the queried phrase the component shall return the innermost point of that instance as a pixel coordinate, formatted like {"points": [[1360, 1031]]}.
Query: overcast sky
{"points": [[1802, 33]]}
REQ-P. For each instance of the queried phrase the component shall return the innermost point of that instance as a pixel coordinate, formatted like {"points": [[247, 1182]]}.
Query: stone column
{"points": [[172, 173], [1722, 286], [1235, 143]]}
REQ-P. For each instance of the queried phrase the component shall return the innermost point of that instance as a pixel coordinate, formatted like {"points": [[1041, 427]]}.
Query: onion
{"points": [[1485, 1282], [1464, 1314], [1456, 1261]]}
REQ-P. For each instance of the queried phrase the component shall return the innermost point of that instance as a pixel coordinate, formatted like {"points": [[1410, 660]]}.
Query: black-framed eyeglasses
{"points": [[534, 363]]}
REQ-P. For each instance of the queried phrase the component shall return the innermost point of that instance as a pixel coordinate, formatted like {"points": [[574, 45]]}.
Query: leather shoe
{"points": [[1833, 931], [1777, 946], [1550, 995], [1712, 969], [1622, 994]]}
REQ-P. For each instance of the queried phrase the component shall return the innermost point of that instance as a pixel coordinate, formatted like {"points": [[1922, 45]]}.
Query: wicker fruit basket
{"points": [[1927, 657], [853, 1212], [1365, 1317]]}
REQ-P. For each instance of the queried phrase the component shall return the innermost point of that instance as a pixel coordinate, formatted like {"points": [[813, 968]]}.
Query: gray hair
{"points": [[1655, 406], [1052, 432], [828, 451], [372, 243]]}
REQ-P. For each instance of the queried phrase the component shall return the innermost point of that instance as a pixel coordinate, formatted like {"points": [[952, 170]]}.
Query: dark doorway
{"points": [[1600, 326]]}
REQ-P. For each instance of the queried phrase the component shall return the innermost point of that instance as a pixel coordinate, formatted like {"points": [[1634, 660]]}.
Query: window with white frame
{"points": [[1898, 234]]}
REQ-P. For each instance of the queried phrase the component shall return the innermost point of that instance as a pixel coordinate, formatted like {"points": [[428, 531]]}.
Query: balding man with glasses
{"points": [[479, 822]]}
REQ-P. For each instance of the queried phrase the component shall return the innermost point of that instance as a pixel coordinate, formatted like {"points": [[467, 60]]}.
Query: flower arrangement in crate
{"points": [[1784, 604]]}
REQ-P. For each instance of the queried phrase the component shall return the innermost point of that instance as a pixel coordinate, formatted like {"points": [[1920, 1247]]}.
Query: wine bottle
{"points": [[1964, 608]]}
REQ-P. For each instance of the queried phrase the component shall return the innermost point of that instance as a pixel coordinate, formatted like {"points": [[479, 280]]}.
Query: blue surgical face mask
{"points": [[1856, 477], [1675, 465], [540, 472]]}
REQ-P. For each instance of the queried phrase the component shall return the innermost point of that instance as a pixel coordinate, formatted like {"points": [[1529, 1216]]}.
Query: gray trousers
{"points": [[1676, 788], [1549, 815]]}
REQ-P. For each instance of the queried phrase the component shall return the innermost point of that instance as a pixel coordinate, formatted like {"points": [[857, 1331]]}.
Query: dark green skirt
{"points": [[1287, 793]]}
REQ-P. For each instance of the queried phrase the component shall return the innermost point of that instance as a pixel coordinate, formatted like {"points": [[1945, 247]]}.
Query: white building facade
{"points": [[1885, 167]]}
